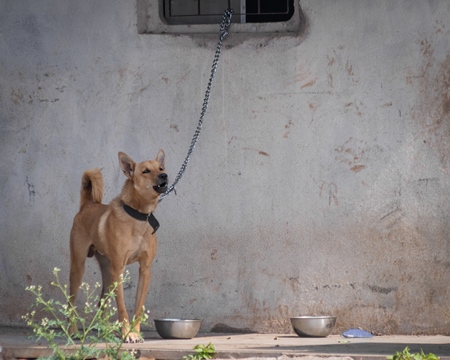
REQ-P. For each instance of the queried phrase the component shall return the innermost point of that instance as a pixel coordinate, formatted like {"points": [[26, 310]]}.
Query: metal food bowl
{"points": [[177, 328], [313, 326]]}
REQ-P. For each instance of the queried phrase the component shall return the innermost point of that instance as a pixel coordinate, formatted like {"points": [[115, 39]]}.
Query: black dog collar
{"points": [[142, 217]]}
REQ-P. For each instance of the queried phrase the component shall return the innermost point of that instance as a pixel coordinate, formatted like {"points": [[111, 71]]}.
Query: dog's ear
{"points": [[127, 165], [161, 158]]}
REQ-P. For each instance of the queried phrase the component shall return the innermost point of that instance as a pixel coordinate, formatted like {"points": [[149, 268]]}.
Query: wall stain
{"points": [[327, 189], [351, 153], [338, 65], [308, 84], [313, 107], [287, 127], [355, 107], [336, 286], [31, 191], [260, 152], [392, 215], [432, 109], [426, 181], [331, 60], [357, 168], [141, 90], [128, 286], [330, 80], [183, 77], [330, 190], [349, 68], [303, 73], [16, 96], [122, 72], [382, 290]]}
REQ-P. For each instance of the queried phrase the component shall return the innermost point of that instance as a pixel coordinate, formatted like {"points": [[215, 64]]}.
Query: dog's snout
{"points": [[161, 183]]}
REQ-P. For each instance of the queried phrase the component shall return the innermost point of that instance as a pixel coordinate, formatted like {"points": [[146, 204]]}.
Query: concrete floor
{"points": [[16, 344]]}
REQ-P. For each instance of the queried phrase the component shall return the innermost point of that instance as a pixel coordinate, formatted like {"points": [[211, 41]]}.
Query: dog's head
{"points": [[148, 176]]}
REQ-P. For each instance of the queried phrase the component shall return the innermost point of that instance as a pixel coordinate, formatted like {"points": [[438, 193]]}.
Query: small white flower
{"points": [[84, 286]]}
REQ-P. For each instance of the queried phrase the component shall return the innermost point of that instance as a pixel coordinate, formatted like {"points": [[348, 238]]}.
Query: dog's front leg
{"points": [[141, 293], [127, 334]]}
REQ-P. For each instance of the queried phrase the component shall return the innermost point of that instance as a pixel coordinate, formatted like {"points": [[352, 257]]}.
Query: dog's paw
{"points": [[134, 338]]}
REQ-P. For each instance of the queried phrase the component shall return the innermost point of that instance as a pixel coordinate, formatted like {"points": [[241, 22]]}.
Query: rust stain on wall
{"points": [[260, 152], [310, 83], [432, 109], [287, 127], [351, 153], [357, 168]]}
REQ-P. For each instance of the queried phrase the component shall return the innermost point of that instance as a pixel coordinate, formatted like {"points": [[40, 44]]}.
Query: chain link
{"points": [[224, 25]]}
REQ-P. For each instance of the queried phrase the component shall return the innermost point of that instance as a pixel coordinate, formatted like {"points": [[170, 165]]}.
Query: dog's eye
{"points": [[161, 169], [146, 171]]}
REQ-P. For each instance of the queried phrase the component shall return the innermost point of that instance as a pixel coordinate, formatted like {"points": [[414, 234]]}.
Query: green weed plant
{"points": [[94, 322], [406, 355], [202, 352]]}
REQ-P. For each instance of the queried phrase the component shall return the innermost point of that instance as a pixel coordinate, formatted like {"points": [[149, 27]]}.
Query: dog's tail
{"points": [[91, 187]]}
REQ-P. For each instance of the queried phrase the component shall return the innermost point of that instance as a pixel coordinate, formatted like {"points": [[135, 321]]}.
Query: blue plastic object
{"points": [[356, 333]]}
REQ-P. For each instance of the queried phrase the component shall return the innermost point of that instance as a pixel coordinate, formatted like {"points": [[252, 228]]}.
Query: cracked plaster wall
{"points": [[319, 184]]}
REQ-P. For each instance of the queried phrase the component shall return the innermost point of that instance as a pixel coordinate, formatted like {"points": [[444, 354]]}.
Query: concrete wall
{"points": [[319, 184]]}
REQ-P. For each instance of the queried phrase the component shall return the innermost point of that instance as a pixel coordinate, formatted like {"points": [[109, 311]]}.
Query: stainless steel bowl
{"points": [[177, 328], [313, 326]]}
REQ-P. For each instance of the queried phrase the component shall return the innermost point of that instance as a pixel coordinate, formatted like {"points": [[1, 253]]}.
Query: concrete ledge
{"points": [[16, 344]]}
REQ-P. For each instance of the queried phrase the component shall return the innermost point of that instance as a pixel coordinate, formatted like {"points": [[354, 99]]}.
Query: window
{"points": [[204, 16], [178, 12]]}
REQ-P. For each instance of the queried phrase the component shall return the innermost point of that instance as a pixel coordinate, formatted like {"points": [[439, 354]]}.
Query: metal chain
{"points": [[224, 25]]}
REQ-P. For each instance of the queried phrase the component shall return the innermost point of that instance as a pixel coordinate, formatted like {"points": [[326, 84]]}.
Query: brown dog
{"points": [[120, 233]]}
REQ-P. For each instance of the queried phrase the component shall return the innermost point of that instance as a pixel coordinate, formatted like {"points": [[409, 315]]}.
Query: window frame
{"points": [[150, 20], [245, 11]]}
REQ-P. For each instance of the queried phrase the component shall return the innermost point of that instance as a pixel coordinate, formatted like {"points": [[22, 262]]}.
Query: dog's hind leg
{"points": [[105, 270], [77, 265]]}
